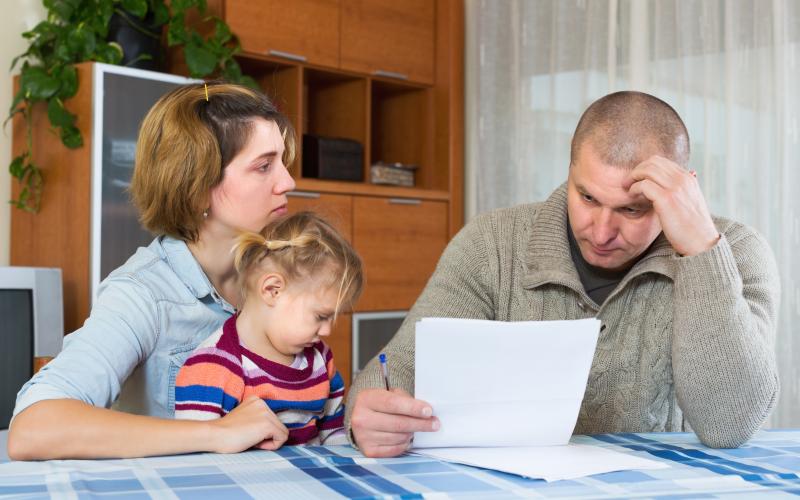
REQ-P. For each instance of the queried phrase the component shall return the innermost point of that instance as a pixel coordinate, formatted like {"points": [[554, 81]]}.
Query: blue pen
{"points": [[385, 370]]}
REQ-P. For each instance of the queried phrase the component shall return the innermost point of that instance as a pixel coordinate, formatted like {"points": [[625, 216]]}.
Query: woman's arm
{"points": [[62, 411], [65, 428]]}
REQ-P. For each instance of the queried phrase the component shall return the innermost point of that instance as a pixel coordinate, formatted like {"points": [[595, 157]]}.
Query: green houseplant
{"points": [[76, 31]]}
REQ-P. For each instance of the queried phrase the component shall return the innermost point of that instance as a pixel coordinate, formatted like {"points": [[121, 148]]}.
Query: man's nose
{"points": [[604, 228]]}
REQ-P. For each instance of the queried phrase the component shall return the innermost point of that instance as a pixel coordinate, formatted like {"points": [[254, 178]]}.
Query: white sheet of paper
{"points": [[551, 463], [495, 383]]}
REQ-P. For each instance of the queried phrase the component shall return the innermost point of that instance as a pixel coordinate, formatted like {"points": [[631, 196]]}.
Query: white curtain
{"points": [[731, 68]]}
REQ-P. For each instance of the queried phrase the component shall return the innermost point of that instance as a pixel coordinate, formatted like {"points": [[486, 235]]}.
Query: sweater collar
{"points": [[548, 258]]}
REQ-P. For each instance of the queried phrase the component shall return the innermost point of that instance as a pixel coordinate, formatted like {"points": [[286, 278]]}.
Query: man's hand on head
{"points": [[678, 202]]}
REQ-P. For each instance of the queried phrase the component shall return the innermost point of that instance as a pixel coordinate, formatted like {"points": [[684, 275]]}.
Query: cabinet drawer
{"points": [[335, 208], [307, 29], [400, 242], [389, 36]]}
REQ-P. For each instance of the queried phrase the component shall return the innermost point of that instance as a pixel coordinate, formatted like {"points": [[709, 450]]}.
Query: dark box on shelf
{"points": [[332, 158]]}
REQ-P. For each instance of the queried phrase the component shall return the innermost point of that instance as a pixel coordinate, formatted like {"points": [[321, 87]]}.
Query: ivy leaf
{"points": [[184, 5], [38, 84], [71, 137], [23, 198], [17, 167], [160, 13], [62, 53], [110, 53], [60, 8], [14, 61], [136, 7], [82, 43], [58, 114], [222, 33], [101, 20], [69, 81], [18, 98], [200, 61], [176, 31]]}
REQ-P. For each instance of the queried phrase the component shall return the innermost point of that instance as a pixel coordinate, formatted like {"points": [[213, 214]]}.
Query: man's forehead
{"points": [[619, 152], [605, 184]]}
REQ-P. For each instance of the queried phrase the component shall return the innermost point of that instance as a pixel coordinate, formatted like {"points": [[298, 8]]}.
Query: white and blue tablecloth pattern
{"points": [[767, 466]]}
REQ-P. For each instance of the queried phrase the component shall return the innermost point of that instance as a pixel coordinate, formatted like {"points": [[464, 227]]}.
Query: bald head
{"points": [[625, 128]]}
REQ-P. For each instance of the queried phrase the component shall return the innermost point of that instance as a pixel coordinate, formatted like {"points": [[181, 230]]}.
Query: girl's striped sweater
{"points": [[307, 396]]}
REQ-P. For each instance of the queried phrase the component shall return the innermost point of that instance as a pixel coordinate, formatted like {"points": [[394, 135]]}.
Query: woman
{"points": [[209, 164]]}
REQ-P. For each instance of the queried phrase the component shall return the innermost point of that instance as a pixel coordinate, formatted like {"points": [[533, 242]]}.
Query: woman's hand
{"points": [[250, 424]]}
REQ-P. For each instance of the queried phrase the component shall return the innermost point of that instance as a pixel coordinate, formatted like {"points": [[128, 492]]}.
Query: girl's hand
{"points": [[250, 424]]}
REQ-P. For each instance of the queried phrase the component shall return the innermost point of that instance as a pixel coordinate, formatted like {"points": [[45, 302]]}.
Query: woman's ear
{"points": [[271, 286]]}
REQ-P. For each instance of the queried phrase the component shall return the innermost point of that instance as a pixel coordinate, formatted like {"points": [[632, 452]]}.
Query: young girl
{"points": [[296, 275]]}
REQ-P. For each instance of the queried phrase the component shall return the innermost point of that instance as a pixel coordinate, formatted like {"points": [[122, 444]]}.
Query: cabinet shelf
{"points": [[360, 188], [391, 119]]}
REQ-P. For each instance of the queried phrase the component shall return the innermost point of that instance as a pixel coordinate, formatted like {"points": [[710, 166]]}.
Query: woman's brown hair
{"points": [[185, 142], [302, 246]]}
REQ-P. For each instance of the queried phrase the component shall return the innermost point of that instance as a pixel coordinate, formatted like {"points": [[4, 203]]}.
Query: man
{"points": [[688, 302]]}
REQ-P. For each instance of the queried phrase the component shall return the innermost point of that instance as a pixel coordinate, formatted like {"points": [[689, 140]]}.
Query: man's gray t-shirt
{"points": [[598, 282]]}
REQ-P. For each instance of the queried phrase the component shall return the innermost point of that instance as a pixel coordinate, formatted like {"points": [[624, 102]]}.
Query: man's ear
{"points": [[271, 286]]}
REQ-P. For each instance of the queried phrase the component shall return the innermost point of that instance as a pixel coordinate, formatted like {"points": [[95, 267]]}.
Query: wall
{"points": [[24, 15]]}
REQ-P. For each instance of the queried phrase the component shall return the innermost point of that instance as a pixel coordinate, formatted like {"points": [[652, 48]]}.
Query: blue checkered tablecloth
{"points": [[768, 465]]}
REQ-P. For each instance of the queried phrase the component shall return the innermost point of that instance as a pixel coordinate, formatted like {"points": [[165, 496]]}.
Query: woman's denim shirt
{"points": [[149, 315]]}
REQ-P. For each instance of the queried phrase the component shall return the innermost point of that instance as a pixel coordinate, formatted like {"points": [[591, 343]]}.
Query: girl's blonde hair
{"points": [[301, 246], [185, 142]]}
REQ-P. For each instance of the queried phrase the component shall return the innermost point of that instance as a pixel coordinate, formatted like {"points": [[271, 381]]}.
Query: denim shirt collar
{"points": [[186, 267]]}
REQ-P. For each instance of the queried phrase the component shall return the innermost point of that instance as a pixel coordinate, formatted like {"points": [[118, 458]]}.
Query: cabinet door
{"points": [[389, 36], [308, 29], [335, 208], [400, 242], [341, 344]]}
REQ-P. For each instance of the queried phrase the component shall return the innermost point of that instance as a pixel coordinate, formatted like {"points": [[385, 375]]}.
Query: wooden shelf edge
{"points": [[362, 189], [254, 58]]}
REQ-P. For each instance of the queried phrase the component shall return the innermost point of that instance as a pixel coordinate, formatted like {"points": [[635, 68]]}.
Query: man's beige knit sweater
{"points": [[686, 342]]}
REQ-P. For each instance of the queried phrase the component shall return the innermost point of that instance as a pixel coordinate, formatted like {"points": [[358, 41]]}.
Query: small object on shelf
{"points": [[396, 174], [332, 158]]}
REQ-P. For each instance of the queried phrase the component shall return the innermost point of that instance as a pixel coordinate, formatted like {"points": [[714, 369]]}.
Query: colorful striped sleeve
{"points": [[331, 425], [209, 385]]}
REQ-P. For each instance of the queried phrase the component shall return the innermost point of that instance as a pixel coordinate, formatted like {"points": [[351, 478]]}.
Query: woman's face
{"points": [[254, 184]]}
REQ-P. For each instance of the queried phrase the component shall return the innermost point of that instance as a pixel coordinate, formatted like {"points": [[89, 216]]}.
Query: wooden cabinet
{"points": [[390, 38], [302, 30], [377, 37], [335, 208], [400, 232], [400, 241]]}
